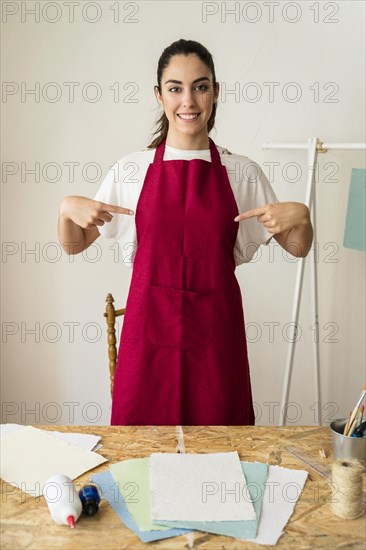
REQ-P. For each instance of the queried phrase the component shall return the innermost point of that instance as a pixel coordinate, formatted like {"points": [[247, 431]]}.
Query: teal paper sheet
{"points": [[355, 230], [256, 475]]}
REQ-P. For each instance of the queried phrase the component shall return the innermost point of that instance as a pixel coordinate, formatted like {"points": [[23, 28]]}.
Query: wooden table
{"points": [[26, 522]]}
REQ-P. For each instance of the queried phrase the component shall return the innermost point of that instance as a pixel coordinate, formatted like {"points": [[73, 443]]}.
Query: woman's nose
{"points": [[187, 98]]}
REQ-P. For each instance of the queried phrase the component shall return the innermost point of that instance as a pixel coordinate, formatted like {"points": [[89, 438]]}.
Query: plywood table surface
{"points": [[26, 522]]}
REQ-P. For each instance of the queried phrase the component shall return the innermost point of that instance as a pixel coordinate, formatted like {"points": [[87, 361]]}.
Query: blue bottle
{"points": [[90, 499]]}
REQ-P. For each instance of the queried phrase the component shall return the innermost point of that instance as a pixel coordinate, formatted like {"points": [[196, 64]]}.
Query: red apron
{"points": [[183, 357]]}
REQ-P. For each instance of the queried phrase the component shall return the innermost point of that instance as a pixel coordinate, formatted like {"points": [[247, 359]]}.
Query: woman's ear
{"points": [[157, 94], [217, 90]]}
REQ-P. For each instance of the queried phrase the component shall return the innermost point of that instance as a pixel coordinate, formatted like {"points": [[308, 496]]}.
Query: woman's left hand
{"points": [[279, 217]]}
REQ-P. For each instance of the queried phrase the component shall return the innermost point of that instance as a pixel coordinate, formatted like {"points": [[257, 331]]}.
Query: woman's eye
{"points": [[200, 87]]}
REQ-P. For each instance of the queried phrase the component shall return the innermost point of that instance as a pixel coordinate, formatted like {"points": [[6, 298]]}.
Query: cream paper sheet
{"points": [[30, 456]]}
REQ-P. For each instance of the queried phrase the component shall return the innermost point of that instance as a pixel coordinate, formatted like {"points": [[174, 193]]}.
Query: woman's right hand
{"points": [[88, 213]]}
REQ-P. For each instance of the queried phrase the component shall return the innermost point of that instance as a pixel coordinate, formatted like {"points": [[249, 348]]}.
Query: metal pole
{"points": [[312, 143], [329, 146], [312, 160]]}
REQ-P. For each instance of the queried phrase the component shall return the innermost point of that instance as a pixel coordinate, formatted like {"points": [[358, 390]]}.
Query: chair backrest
{"points": [[110, 314]]}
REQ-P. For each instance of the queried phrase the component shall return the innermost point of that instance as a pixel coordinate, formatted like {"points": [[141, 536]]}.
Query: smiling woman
{"points": [[187, 103], [187, 90], [183, 355]]}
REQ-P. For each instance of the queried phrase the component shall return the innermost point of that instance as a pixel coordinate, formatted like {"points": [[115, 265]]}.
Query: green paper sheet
{"points": [[132, 477], [256, 475], [355, 230]]}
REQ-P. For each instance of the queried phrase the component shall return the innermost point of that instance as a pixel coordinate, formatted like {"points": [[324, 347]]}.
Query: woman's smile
{"points": [[188, 117]]}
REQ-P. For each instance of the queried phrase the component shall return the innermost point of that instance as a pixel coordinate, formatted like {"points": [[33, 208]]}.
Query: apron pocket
{"points": [[180, 318]]}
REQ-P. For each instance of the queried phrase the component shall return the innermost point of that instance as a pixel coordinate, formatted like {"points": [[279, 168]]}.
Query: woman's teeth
{"points": [[188, 117]]}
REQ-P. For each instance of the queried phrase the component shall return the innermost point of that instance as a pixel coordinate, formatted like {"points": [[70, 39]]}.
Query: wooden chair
{"points": [[110, 314]]}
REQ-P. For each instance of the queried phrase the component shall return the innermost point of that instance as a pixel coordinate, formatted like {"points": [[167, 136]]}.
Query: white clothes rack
{"points": [[313, 147]]}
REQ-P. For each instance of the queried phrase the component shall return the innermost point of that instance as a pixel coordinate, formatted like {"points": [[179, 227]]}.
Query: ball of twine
{"points": [[346, 501]]}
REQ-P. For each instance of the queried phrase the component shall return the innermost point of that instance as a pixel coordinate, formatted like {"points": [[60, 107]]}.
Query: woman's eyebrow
{"points": [[194, 82]]}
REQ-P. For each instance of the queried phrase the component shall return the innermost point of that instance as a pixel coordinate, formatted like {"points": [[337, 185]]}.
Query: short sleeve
{"points": [[253, 191], [122, 227]]}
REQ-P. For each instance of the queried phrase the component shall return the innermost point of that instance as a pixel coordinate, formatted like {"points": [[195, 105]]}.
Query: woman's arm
{"points": [[78, 221], [289, 222], [297, 241]]}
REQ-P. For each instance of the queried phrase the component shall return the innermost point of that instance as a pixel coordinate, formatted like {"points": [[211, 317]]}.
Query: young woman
{"points": [[198, 211]]}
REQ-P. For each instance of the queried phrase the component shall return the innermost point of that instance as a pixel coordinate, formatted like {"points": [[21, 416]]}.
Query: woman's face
{"points": [[186, 88]]}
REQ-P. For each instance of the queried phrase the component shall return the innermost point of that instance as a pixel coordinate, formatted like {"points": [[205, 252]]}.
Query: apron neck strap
{"points": [[215, 156]]}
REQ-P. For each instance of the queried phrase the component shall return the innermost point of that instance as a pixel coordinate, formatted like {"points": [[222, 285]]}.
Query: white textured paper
{"points": [[6, 429], [282, 490], [30, 456], [84, 441], [199, 487]]}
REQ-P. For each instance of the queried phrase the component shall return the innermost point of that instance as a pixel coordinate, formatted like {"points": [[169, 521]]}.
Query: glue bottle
{"points": [[62, 500]]}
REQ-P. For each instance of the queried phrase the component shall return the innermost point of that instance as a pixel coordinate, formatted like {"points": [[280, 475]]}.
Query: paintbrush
{"points": [[355, 411], [347, 424]]}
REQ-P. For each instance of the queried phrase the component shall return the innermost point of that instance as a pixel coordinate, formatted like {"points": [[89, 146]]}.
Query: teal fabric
{"points": [[355, 230], [256, 476]]}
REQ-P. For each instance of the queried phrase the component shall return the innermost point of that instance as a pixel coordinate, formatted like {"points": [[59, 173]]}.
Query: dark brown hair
{"points": [[182, 47]]}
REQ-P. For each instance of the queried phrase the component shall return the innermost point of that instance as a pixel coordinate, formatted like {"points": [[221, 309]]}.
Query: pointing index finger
{"points": [[250, 214], [117, 209]]}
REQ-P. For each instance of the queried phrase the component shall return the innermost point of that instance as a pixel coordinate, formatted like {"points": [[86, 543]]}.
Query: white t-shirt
{"points": [[123, 183]]}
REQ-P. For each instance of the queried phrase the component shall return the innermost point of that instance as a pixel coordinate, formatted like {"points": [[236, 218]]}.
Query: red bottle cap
{"points": [[71, 521]]}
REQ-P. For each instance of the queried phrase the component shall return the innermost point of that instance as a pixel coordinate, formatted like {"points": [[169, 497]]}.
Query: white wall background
{"points": [[54, 375]]}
